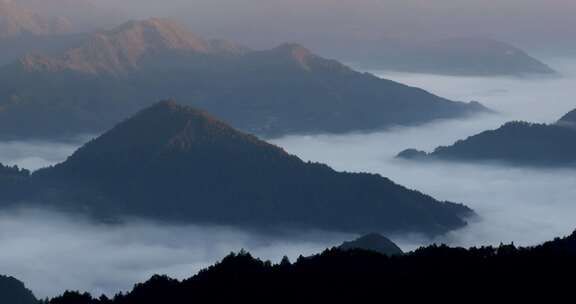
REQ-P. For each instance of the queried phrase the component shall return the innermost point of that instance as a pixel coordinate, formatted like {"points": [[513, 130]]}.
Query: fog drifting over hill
{"points": [[520, 205], [52, 252]]}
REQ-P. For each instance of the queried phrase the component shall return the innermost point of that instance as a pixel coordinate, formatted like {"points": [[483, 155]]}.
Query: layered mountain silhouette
{"points": [[176, 164], [127, 48], [13, 291], [285, 90], [16, 20], [469, 56], [338, 276], [84, 15], [373, 242], [518, 143], [24, 31]]}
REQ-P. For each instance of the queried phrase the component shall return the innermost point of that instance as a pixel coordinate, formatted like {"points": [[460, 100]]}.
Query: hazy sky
{"points": [[536, 24], [530, 22]]}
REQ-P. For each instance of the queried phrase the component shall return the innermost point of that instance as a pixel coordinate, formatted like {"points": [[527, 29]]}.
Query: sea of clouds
{"points": [[52, 252]]}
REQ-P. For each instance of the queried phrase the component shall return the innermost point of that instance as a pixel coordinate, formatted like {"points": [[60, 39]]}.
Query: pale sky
{"points": [[530, 23]]}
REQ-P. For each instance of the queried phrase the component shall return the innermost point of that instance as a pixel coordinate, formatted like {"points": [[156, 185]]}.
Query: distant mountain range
{"points": [[358, 276], [285, 90], [470, 56], [373, 242], [13, 291], [177, 164], [518, 143], [83, 15], [16, 20], [24, 30]]}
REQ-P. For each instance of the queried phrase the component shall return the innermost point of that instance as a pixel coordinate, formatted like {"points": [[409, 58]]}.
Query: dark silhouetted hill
{"points": [[373, 242], [178, 164], [518, 143], [435, 273], [13, 291], [568, 120], [285, 90]]}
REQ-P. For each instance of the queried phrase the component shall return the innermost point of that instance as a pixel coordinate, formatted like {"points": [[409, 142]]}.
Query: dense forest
{"points": [[13, 291], [434, 273], [517, 143], [176, 164]]}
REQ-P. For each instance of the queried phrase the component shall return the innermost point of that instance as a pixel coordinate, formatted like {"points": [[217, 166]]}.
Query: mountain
{"points": [[84, 15], [16, 20], [518, 143], [275, 92], [13, 291], [373, 242], [469, 56], [177, 164], [569, 119], [24, 31], [126, 48], [337, 276]]}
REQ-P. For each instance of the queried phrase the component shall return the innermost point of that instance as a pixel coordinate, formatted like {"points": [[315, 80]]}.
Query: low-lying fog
{"points": [[520, 205], [52, 252], [34, 155]]}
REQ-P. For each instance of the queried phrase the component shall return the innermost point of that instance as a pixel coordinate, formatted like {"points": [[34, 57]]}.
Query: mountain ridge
{"points": [[17, 20], [208, 172], [517, 143], [121, 50], [282, 91]]}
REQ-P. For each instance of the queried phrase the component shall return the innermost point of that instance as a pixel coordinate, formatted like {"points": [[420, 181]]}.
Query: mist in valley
{"points": [[520, 205], [34, 155], [53, 252]]}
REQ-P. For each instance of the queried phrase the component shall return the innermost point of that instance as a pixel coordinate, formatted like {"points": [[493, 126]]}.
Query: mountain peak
{"points": [[165, 128], [569, 119], [158, 33], [123, 49], [16, 20], [373, 242], [177, 163], [296, 52]]}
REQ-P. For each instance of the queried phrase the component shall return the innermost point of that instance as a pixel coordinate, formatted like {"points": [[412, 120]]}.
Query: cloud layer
{"points": [[52, 252], [521, 205]]}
